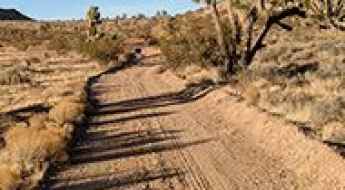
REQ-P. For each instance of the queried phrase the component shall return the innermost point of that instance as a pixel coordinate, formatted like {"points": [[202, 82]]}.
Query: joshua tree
{"points": [[93, 17], [330, 11], [164, 13], [242, 46], [141, 16], [158, 14], [124, 16], [218, 27]]}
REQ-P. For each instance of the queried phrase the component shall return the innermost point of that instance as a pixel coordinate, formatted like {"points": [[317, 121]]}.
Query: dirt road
{"points": [[150, 131]]}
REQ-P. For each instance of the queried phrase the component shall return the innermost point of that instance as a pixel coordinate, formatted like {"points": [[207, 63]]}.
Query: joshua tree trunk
{"points": [[220, 34], [262, 5], [229, 9]]}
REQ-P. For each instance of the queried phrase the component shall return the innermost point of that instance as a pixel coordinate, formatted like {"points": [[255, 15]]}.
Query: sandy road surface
{"points": [[151, 132]]}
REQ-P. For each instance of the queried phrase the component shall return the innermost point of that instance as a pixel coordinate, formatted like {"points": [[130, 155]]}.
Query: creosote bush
{"points": [[189, 41], [103, 50]]}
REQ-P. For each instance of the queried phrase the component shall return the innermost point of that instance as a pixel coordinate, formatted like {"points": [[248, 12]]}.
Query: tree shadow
{"points": [[135, 139], [187, 95], [127, 144], [102, 135], [134, 148], [122, 145], [127, 179], [129, 118], [37, 108]]}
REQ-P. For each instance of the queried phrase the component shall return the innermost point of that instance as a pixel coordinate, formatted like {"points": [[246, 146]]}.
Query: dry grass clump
{"points": [[38, 120], [14, 75], [252, 95], [329, 110], [29, 150], [10, 179], [194, 74], [66, 111], [301, 80], [6, 121]]}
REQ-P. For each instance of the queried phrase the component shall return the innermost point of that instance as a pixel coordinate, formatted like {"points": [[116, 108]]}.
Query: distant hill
{"points": [[12, 14]]}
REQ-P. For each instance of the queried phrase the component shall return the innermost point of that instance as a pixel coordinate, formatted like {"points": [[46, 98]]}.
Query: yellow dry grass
{"points": [[67, 110], [9, 178], [29, 150]]}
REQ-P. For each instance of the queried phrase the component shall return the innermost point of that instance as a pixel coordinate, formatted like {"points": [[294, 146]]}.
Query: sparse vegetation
{"points": [[297, 75], [331, 12], [189, 41], [29, 150], [294, 78], [14, 75]]}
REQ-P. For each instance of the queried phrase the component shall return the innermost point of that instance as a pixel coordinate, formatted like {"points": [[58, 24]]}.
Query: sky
{"points": [[75, 9]]}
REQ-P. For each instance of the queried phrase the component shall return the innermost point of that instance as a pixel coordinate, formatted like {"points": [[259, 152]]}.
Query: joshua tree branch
{"points": [[252, 18], [339, 7], [285, 26], [274, 18], [336, 24]]}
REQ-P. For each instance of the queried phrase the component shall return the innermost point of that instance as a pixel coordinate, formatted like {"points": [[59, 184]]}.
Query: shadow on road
{"points": [[187, 95], [96, 147], [124, 180]]}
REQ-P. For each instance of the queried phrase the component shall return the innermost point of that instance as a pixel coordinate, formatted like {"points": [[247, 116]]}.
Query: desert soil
{"points": [[151, 131]]}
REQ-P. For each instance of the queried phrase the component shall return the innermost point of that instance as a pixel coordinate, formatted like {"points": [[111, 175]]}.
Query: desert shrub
{"points": [[65, 41], [7, 121], [329, 110], [103, 50], [26, 37], [58, 44], [34, 60], [14, 75], [188, 41], [61, 38]]}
